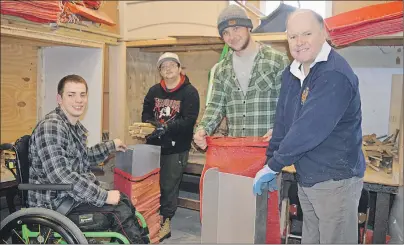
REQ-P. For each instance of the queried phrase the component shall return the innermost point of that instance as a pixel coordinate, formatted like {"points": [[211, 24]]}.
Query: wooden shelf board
{"points": [[276, 37], [47, 37], [188, 41]]}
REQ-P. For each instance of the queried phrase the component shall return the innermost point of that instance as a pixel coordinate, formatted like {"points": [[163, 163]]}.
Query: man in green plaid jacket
{"points": [[247, 82]]}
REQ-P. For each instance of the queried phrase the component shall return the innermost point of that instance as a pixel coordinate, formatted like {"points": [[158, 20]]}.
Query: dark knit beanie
{"points": [[233, 15]]}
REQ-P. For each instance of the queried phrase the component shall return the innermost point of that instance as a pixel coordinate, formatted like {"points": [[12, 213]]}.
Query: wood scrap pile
{"points": [[141, 130], [379, 154]]}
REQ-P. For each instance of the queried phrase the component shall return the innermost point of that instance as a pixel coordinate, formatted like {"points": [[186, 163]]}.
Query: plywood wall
{"points": [[18, 88], [197, 66], [396, 103], [110, 8], [142, 74], [105, 95]]}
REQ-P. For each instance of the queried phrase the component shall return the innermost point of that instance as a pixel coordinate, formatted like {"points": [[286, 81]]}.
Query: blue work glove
{"points": [[264, 179], [160, 130]]}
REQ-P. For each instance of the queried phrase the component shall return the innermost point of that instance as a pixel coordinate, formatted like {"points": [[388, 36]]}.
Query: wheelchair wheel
{"points": [[39, 225]]}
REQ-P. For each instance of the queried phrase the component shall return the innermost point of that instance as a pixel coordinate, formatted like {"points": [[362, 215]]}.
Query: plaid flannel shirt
{"points": [[59, 155], [252, 114]]}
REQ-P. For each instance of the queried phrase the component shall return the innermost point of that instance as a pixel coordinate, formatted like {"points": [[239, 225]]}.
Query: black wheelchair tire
{"points": [[41, 213]]}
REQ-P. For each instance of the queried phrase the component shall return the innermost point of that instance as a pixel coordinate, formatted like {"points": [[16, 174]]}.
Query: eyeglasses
{"points": [[166, 67]]}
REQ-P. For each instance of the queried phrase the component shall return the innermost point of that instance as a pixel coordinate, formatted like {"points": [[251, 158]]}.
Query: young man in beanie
{"points": [[318, 129], [173, 107], [246, 82]]}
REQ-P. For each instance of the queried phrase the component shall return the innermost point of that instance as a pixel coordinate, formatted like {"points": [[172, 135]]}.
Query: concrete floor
{"points": [[186, 227]]}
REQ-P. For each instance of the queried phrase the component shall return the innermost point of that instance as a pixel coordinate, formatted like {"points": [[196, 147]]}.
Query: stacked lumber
{"points": [[141, 130], [362, 23], [379, 154]]}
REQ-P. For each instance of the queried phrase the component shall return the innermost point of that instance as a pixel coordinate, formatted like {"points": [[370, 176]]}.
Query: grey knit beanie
{"points": [[233, 15]]}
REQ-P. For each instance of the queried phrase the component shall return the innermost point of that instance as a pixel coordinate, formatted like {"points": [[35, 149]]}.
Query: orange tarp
{"points": [[362, 23], [93, 15]]}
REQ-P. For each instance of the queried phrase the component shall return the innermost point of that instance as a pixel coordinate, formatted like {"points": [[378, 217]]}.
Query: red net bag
{"points": [[243, 156]]}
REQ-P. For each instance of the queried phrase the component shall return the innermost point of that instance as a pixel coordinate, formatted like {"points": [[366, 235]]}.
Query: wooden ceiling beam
{"points": [[212, 47]]}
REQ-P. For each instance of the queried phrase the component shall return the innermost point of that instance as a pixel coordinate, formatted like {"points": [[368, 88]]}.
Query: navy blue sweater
{"points": [[318, 125]]}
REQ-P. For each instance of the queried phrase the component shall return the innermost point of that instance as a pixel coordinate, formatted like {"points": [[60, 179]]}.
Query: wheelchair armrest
{"points": [[45, 187]]}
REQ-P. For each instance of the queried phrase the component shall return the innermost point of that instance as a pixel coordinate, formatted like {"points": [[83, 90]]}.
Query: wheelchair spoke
{"points": [[47, 236], [58, 242], [19, 237]]}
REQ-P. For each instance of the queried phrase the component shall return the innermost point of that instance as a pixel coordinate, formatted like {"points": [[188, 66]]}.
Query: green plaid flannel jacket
{"points": [[252, 114]]}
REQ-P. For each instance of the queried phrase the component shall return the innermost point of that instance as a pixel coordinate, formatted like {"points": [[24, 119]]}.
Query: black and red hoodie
{"points": [[178, 108]]}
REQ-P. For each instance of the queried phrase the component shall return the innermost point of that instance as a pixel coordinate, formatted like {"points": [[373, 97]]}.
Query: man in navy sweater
{"points": [[318, 129]]}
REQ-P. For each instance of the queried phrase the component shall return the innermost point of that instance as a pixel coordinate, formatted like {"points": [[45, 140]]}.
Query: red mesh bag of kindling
{"points": [[243, 156]]}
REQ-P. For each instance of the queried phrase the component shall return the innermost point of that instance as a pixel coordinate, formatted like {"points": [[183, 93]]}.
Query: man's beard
{"points": [[244, 46]]}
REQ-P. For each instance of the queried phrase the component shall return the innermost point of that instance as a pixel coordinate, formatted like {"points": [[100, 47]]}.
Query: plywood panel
{"points": [[105, 112], [345, 6], [395, 103], [110, 8], [141, 75], [401, 141], [18, 88], [118, 123], [105, 90], [197, 66], [86, 62]]}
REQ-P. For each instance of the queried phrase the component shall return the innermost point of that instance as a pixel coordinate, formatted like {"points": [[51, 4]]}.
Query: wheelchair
{"points": [[33, 225]]}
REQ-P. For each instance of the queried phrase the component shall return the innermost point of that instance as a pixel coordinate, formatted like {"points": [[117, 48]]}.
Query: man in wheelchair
{"points": [[59, 154]]}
